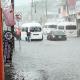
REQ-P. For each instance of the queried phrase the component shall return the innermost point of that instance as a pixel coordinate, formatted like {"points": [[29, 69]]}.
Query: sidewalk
{"points": [[8, 72]]}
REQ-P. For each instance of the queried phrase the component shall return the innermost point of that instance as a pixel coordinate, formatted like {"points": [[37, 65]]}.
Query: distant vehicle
{"points": [[35, 29], [70, 28], [56, 35], [49, 26]]}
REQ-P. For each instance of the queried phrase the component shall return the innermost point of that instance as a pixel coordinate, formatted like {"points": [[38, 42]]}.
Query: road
{"points": [[47, 60]]}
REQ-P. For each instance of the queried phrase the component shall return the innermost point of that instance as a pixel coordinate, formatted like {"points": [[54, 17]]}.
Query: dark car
{"points": [[56, 35]]}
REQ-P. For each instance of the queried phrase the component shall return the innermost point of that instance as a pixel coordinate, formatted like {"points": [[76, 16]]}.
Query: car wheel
{"points": [[48, 37]]}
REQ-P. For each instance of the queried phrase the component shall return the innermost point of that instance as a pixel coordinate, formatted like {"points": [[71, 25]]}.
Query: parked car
{"points": [[35, 30], [56, 35]]}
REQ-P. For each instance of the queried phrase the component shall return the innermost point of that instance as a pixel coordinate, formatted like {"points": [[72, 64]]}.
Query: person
{"points": [[18, 34], [28, 35]]}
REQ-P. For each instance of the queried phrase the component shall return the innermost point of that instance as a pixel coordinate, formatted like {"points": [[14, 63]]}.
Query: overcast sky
{"points": [[23, 2]]}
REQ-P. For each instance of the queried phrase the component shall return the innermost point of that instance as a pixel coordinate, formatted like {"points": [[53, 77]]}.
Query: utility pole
{"points": [[46, 8], [1, 47], [67, 9], [35, 8], [31, 10], [12, 27]]}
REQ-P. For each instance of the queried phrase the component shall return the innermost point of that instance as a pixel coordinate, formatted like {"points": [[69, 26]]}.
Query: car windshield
{"points": [[35, 29], [58, 33]]}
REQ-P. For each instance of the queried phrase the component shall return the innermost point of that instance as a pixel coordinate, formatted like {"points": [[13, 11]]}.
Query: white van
{"points": [[35, 29], [70, 28], [49, 26]]}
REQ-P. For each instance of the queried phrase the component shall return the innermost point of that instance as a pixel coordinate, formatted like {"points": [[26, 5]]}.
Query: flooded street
{"points": [[47, 60]]}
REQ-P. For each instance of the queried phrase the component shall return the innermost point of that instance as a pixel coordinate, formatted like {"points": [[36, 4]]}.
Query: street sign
{"points": [[8, 35], [18, 16]]}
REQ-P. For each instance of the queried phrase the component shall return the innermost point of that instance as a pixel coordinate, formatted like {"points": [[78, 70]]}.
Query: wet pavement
{"points": [[8, 72], [46, 60]]}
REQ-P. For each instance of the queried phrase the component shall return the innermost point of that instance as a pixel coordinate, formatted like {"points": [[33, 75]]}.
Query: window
{"points": [[70, 27], [52, 26], [61, 27]]}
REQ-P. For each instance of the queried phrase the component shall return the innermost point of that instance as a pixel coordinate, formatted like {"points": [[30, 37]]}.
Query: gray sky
{"points": [[23, 2]]}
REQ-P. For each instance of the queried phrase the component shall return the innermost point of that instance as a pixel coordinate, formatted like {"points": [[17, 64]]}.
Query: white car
{"points": [[35, 29], [49, 26]]}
